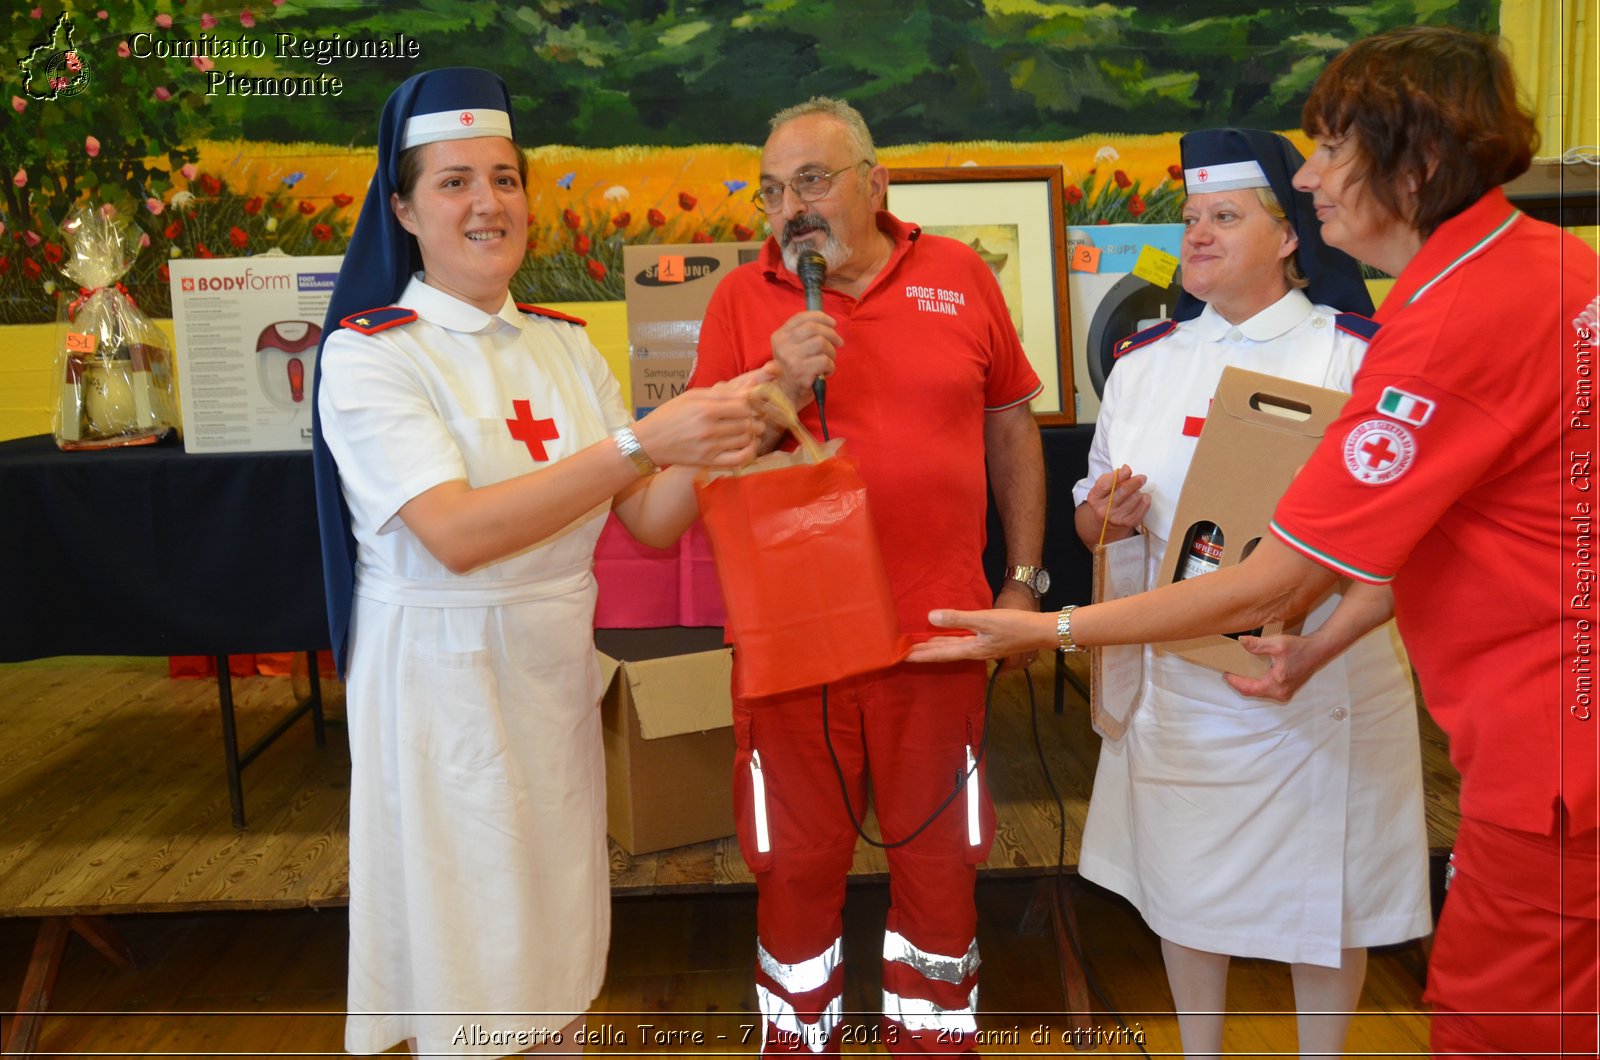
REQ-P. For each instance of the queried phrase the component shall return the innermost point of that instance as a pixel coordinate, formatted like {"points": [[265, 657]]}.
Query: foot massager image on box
{"points": [[286, 352]]}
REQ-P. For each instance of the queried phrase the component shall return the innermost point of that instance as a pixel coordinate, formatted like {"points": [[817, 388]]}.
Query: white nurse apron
{"points": [[479, 910], [1238, 825]]}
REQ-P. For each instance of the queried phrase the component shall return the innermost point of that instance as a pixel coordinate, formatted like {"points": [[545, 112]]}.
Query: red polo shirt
{"points": [[1449, 473], [929, 349]]}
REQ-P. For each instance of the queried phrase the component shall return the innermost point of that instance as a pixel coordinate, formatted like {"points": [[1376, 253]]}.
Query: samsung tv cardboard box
{"points": [[667, 287]]}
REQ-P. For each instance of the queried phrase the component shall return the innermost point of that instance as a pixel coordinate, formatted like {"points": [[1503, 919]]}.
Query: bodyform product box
{"points": [[667, 288], [667, 724], [1259, 432], [248, 331]]}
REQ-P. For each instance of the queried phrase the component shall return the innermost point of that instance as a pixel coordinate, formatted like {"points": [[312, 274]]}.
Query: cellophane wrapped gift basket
{"points": [[112, 362]]}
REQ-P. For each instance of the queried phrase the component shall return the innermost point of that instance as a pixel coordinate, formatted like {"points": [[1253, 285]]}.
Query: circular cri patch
{"points": [[1379, 451]]}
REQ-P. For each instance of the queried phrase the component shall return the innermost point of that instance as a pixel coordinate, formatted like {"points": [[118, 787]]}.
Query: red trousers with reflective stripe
{"points": [[905, 731], [1515, 957]]}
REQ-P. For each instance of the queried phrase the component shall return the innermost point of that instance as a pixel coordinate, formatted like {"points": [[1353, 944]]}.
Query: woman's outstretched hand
{"points": [[996, 634]]}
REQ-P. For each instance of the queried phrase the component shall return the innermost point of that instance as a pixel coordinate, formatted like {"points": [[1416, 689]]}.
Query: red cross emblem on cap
{"points": [[1202, 176], [467, 117]]}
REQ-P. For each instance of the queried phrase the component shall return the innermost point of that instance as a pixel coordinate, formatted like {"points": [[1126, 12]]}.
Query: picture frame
{"points": [[1015, 213]]}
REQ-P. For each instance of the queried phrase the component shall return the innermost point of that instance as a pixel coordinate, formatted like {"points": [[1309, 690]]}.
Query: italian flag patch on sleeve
{"points": [[1407, 408]]}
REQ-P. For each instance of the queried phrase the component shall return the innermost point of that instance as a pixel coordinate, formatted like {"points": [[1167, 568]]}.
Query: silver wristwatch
{"points": [[1035, 578], [628, 444]]}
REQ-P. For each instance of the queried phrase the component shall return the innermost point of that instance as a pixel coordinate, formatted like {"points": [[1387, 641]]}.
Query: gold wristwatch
{"points": [[1036, 579]]}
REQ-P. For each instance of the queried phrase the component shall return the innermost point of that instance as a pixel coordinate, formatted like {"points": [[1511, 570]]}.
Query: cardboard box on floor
{"points": [[667, 723], [1259, 431]]}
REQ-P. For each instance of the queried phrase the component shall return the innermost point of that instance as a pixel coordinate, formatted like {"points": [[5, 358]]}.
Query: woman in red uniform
{"points": [[1450, 476]]}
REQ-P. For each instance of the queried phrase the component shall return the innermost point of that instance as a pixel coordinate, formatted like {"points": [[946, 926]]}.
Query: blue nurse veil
{"points": [[1209, 155], [449, 103]]}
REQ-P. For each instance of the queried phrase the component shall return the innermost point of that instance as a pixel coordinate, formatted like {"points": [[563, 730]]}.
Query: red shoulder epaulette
{"points": [[1144, 338], [1356, 324], [539, 310], [372, 321]]}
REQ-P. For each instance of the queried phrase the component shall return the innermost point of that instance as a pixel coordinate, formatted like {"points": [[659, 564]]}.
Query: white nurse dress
{"points": [[478, 870], [1237, 825]]}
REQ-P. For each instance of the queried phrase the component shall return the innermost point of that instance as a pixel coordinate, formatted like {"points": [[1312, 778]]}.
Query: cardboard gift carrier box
{"points": [[667, 723], [1259, 431]]}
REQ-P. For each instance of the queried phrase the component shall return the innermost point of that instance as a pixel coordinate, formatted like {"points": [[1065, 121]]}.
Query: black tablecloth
{"points": [[153, 551]]}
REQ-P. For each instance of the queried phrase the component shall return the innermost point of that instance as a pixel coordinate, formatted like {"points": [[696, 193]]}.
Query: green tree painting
{"points": [[113, 102]]}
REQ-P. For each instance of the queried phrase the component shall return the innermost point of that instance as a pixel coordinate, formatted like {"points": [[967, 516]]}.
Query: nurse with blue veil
{"points": [[468, 449], [1239, 826]]}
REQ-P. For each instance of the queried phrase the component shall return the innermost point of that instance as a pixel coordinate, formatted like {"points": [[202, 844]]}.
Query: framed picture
{"points": [[1014, 218]]}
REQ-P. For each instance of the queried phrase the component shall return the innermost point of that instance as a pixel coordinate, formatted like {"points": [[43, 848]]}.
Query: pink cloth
{"points": [[643, 587]]}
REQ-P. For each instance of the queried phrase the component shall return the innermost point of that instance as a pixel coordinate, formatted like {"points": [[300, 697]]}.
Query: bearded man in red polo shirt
{"points": [[927, 381]]}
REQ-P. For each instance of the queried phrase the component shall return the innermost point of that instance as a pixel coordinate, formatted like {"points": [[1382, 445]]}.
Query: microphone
{"points": [[812, 269]]}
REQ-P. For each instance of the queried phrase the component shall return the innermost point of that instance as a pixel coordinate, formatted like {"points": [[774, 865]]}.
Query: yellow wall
{"points": [[27, 352], [1555, 48]]}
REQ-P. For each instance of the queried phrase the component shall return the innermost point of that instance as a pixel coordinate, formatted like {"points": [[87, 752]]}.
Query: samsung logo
{"points": [[693, 269]]}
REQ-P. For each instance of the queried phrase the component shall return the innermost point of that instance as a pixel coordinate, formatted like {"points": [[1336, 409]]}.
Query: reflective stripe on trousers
{"points": [[915, 1014], [815, 984], [931, 1023]]}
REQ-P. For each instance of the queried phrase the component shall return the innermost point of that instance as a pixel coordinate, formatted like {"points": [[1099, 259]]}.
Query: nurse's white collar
{"points": [[1277, 319], [447, 311]]}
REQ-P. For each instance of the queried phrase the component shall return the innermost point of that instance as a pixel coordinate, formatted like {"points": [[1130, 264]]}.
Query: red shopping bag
{"points": [[801, 571]]}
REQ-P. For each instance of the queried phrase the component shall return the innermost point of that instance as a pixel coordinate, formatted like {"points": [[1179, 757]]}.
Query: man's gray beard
{"points": [[833, 252]]}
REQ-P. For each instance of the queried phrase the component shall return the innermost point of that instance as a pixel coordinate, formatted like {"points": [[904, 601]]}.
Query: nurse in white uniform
{"points": [[1237, 825], [467, 452]]}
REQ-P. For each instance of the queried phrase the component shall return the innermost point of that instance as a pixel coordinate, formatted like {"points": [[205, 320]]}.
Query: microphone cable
{"points": [[1059, 878], [963, 777]]}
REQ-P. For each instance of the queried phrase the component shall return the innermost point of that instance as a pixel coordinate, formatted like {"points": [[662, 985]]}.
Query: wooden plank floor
{"points": [[112, 782], [116, 798], [272, 983], [112, 779]]}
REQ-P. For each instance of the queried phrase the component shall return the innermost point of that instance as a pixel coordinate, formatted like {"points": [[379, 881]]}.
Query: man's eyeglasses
{"points": [[808, 187]]}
